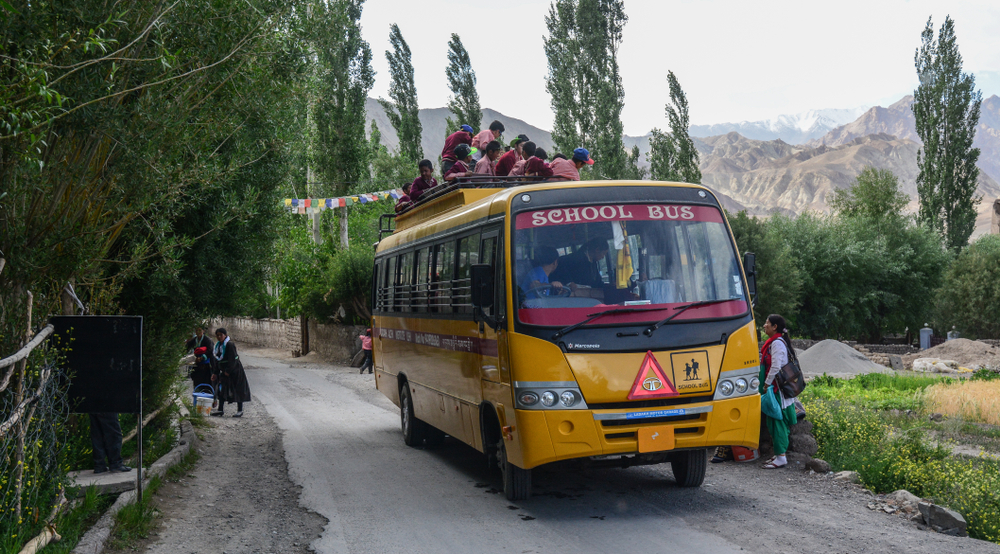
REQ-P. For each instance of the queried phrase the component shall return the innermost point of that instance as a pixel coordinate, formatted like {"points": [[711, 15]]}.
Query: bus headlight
{"points": [[741, 385], [726, 388], [568, 398], [548, 398], [755, 383], [528, 398]]}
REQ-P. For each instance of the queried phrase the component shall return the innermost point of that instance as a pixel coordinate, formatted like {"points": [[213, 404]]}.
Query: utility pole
{"points": [[310, 134]]}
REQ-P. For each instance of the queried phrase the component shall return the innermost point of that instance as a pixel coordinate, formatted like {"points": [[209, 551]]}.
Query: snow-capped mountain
{"points": [[793, 129]]}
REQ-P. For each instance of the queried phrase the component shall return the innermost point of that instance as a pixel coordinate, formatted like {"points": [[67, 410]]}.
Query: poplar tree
{"points": [[674, 157], [403, 110], [464, 100], [584, 80], [946, 108]]}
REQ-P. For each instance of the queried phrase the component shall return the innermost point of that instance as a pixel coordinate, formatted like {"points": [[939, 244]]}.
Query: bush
{"points": [[971, 283]]}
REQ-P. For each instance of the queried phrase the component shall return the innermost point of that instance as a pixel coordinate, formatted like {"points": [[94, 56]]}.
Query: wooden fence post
{"points": [[304, 333], [22, 425]]}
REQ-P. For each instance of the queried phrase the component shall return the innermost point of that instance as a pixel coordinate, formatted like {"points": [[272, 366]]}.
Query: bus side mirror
{"points": [[482, 285], [750, 268]]}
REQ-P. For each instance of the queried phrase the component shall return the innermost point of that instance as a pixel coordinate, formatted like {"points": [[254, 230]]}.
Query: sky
{"points": [[736, 60]]}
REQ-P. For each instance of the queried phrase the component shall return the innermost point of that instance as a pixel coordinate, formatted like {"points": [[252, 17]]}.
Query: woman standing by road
{"points": [[231, 375], [774, 356]]}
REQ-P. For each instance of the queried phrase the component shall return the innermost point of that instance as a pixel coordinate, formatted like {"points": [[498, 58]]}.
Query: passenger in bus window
{"points": [[424, 182], [485, 137], [461, 136], [404, 201], [463, 154], [527, 151], [545, 262], [486, 164], [569, 170], [512, 156], [581, 267], [537, 166]]}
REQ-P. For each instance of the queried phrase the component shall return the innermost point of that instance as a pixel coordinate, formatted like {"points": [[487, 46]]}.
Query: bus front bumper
{"points": [[553, 435]]}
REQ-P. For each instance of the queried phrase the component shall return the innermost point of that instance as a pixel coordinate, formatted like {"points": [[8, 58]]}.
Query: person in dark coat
{"points": [[201, 372], [230, 375]]}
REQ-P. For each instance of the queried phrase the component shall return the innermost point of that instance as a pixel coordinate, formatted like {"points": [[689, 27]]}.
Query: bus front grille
{"points": [[660, 402]]}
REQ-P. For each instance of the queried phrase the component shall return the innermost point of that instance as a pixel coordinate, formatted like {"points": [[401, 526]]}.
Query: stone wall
{"points": [[337, 343]]}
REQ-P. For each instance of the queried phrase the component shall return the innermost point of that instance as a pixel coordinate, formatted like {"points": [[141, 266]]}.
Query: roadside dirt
{"points": [[237, 498]]}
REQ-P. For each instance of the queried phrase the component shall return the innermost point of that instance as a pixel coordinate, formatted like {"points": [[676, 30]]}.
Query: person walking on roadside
{"points": [[230, 374], [774, 356], [106, 439], [366, 347]]}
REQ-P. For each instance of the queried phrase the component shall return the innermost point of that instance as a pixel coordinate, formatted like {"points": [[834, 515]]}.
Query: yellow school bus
{"points": [[601, 320]]}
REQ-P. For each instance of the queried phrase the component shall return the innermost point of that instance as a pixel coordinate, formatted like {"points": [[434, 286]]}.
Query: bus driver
{"points": [[580, 267]]}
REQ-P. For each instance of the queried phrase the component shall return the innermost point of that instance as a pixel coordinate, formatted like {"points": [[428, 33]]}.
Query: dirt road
{"points": [[346, 462]]}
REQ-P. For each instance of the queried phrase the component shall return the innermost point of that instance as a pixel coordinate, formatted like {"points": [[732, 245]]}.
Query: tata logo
{"points": [[652, 384]]}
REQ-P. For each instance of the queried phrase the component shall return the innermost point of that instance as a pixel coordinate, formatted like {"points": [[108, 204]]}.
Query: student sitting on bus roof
{"points": [[404, 201], [536, 165], [461, 136], [461, 168], [485, 137], [511, 157], [424, 182], [545, 262], [569, 170], [486, 164], [527, 151]]}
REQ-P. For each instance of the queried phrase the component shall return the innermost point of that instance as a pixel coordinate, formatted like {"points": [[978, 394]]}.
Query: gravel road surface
{"points": [[346, 462]]}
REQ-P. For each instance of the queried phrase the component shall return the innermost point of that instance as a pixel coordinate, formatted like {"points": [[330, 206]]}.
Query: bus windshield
{"points": [[571, 262]]}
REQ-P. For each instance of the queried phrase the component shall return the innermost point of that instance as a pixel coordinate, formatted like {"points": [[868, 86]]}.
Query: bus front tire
{"points": [[413, 428], [516, 481], [689, 467]]}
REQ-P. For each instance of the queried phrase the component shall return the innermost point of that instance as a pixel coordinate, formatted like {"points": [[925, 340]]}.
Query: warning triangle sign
{"points": [[651, 382]]}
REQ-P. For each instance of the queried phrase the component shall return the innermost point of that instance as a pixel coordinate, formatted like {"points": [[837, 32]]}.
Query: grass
{"points": [[73, 523], [862, 425], [974, 401], [134, 522]]}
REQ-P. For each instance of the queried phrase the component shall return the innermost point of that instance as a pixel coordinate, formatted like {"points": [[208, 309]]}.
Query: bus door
{"points": [[489, 358]]}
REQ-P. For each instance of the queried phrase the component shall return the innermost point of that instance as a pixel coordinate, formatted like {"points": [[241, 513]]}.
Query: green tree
{"points": [[584, 80], [464, 100], [674, 157], [946, 107], [633, 171], [403, 111], [779, 280], [971, 288], [875, 195]]}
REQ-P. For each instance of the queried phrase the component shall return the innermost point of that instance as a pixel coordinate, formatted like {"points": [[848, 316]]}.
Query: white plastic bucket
{"points": [[203, 405]]}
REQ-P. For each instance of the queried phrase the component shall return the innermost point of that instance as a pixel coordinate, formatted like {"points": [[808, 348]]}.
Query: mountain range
{"points": [[769, 174]]}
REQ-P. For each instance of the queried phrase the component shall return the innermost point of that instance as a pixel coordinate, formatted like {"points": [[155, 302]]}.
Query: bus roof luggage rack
{"points": [[386, 224], [473, 182]]}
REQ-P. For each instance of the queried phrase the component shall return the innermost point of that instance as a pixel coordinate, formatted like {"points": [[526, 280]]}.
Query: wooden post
{"points": [[21, 424], [68, 306], [343, 227]]}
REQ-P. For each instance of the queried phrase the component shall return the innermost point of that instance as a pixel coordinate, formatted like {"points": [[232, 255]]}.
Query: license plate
{"points": [[656, 439]]}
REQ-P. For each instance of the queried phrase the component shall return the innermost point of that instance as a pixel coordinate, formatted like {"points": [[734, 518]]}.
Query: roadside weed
{"points": [[975, 401]]}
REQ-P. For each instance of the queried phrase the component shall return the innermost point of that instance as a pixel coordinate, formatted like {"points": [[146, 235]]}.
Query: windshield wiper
{"points": [[681, 309], [591, 317]]}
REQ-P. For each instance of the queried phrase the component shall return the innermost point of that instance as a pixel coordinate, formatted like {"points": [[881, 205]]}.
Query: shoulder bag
{"points": [[790, 379]]}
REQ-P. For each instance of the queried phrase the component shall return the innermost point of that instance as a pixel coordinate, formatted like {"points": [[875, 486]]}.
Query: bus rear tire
{"points": [[689, 467], [516, 481], [413, 428]]}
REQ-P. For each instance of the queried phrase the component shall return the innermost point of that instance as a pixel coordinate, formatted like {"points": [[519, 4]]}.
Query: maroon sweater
{"points": [[450, 143], [506, 163]]}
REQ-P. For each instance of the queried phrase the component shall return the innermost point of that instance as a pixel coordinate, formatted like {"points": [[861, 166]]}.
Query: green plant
{"points": [[134, 521], [972, 281]]}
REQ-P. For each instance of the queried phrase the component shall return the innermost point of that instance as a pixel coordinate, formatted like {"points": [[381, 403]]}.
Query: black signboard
{"points": [[104, 356]]}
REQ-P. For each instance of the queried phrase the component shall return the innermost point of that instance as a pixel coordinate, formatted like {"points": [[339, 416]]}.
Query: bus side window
{"points": [[389, 285], [376, 288], [421, 293], [441, 276], [406, 281], [488, 256], [468, 254]]}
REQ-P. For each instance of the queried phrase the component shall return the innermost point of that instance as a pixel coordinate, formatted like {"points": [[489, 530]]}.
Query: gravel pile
{"points": [[838, 360], [968, 353]]}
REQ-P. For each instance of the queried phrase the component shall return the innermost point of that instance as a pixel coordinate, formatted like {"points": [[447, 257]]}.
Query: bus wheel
{"points": [[413, 428], [689, 467], [516, 481]]}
